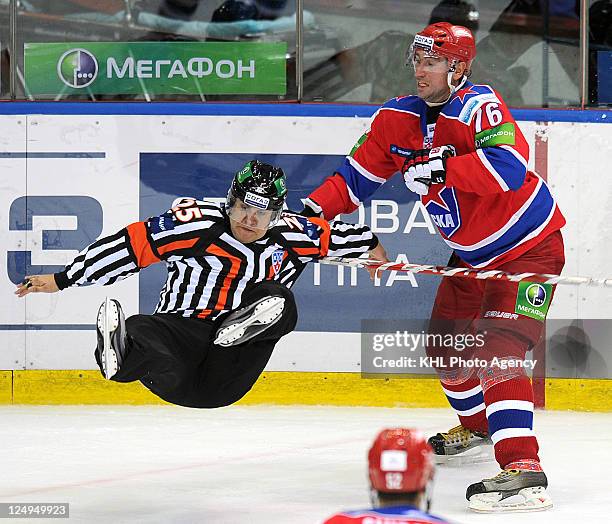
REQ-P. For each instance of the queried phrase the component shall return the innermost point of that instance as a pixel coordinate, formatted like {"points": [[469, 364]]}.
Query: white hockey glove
{"points": [[426, 167], [417, 165]]}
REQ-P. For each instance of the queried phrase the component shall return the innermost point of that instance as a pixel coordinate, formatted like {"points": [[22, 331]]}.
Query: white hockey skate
{"points": [[110, 327], [461, 446], [244, 324], [510, 491]]}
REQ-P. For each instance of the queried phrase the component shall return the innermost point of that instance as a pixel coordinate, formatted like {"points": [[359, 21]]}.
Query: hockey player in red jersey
{"points": [[459, 148], [401, 471], [227, 299]]}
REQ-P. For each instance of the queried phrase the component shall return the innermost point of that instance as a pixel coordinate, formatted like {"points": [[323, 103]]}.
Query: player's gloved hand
{"points": [[437, 162], [426, 167], [417, 166]]}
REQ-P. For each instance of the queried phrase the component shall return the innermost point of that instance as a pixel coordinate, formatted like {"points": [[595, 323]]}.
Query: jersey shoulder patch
{"points": [[405, 104], [467, 101], [161, 223]]}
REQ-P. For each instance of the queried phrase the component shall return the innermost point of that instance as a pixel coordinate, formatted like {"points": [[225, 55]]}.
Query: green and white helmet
{"points": [[260, 186]]}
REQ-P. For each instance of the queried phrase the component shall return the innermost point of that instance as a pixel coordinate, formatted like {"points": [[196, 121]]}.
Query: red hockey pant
{"points": [[489, 398]]}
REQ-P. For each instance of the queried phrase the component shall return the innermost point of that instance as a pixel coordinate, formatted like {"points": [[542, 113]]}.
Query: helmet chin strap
{"points": [[449, 80], [374, 500]]}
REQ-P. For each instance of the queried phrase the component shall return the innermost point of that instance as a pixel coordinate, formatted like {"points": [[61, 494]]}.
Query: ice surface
{"points": [[263, 464]]}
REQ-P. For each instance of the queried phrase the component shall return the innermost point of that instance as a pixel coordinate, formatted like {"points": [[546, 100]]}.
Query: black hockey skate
{"points": [[248, 322], [112, 343], [512, 490], [461, 446]]}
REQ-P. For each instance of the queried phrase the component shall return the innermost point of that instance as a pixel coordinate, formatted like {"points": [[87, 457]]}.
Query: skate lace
{"points": [[458, 434], [505, 474]]}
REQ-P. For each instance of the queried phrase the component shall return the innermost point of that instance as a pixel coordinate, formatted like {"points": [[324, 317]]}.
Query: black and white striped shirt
{"points": [[208, 269]]}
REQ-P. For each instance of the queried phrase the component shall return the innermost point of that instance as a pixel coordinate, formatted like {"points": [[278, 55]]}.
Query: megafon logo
{"points": [[536, 295], [77, 68]]}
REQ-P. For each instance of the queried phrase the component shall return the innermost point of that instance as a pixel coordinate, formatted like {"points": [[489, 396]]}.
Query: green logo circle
{"points": [[536, 295]]}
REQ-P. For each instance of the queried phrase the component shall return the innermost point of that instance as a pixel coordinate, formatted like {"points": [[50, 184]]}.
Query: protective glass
{"points": [[425, 60], [251, 216]]}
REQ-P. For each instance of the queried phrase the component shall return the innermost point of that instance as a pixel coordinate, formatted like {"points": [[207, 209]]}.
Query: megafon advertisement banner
{"points": [[155, 68]]}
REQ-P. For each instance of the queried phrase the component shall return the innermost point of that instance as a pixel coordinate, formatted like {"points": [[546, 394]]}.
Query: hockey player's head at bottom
{"points": [[255, 200], [441, 55], [401, 469]]}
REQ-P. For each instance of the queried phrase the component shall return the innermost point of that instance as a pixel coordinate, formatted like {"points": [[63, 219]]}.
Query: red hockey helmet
{"points": [[454, 42], [400, 461]]}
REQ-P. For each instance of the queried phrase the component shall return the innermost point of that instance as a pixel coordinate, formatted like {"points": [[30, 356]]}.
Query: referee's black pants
{"points": [[175, 358]]}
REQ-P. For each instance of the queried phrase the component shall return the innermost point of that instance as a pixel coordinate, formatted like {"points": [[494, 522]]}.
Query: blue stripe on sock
{"points": [[510, 418], [463, 404]]}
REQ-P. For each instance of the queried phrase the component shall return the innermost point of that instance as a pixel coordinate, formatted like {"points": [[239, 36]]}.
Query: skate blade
{"points": [[265, 313], [527, 499], [477, 455], [107, 323]]}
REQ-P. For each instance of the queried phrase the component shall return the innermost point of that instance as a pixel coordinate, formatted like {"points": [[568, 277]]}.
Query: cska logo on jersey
{"points": [[277, 260], [444, 211]]}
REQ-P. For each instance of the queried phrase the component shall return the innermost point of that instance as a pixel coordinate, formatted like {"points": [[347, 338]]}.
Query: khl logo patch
{"points": [[277, 260]]}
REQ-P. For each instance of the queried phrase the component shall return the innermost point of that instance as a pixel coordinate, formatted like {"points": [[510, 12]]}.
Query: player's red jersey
{"points": [[491, 209], [391, 515]]}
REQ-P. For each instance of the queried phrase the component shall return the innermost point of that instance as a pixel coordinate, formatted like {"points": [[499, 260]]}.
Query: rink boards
{"points": [[67, 179], [285, 388]]}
